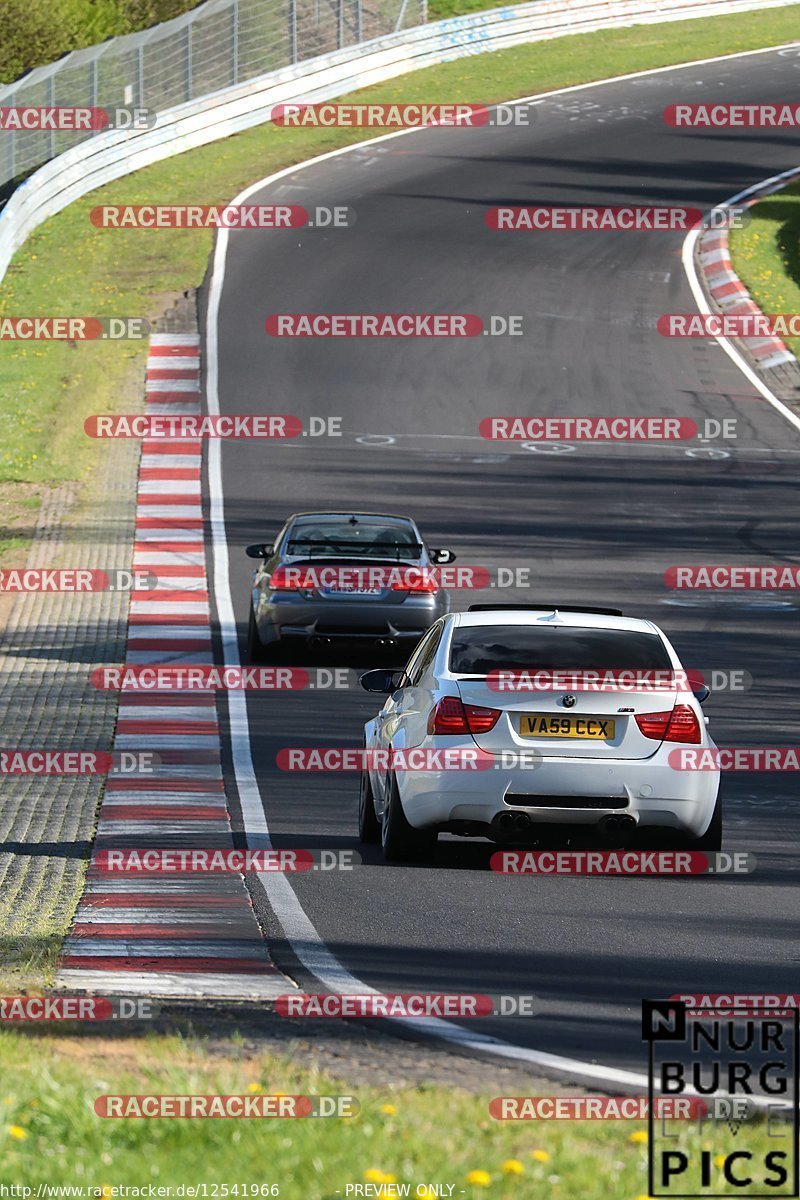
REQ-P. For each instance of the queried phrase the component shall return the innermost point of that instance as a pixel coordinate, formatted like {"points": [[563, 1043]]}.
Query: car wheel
{"points": [[401, 842], [369, 829], [711, 840], [256, 651]]}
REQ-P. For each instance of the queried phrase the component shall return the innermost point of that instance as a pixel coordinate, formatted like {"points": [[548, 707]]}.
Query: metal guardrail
{"points": [[219, 44], [111, 155]]}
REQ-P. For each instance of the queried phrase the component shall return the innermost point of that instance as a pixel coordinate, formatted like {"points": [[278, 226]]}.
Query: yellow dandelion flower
{"points": [[17, 1132], [254, 1087], [638, 1137], [479, 1178], [512, 1166], [388, 1109], [375, 1175], [540, 1156]]}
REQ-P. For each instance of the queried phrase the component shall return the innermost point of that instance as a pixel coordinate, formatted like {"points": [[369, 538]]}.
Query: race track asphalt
{"points": [[596, 524]]}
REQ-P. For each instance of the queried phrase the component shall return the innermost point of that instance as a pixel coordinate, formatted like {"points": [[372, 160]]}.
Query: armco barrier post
{"points": [[140, 76], [188, 64], [292, 31], [235, 42]]}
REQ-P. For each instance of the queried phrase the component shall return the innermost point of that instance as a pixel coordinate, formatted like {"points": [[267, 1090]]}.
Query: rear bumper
{"points": [[650, 791], [293, 620]]}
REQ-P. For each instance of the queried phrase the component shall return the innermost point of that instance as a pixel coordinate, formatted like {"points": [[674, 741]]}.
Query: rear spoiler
{"points": [[568, 608]]}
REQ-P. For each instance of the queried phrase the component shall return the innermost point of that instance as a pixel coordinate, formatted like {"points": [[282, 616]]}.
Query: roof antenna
{"points": [[353, 521]]}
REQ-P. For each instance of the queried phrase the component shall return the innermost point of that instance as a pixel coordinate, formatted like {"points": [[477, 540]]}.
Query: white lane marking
{"points": [[167, 461], [139, 916], [163, 512], [169, 487], [162, 558], [174, 339], [168, 533], [301, 934], [703, 305], [173, 362], [164, 712], [174, 385], [175, 633], [171, 408]]}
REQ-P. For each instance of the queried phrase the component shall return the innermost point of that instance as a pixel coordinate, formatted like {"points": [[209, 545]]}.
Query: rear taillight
{"points": [[679, 725], [451, 716], [290, 580]]}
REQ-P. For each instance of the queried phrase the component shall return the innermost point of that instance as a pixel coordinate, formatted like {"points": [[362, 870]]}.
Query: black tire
{"points": [[369, 827], [254, 645], [711, 840], [401, 842]]}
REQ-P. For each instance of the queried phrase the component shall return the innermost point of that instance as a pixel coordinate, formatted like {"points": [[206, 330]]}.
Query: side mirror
{"points": [[701, 694], [442, 556], [381, 681], [259, 550]]}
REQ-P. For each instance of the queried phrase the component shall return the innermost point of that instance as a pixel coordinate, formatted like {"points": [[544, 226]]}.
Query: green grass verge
{"points": [[49, 1132], [766, 255]]}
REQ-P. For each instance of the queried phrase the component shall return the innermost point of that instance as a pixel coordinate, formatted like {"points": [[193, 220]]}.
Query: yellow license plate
{"points": [[594, 729]]}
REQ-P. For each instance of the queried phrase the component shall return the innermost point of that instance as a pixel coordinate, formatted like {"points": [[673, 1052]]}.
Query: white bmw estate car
{"points": [[551, 758]]}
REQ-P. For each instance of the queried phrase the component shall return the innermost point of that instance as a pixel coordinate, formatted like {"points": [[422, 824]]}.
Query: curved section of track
{"points": [[596, 524]]}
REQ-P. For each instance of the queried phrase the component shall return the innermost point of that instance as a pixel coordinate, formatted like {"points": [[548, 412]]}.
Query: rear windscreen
{"points": [[362, 540], [477, 650]]}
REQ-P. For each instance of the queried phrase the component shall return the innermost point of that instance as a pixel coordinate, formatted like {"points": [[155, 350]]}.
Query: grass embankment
{"points": [[766, 255], [49, 1132]]}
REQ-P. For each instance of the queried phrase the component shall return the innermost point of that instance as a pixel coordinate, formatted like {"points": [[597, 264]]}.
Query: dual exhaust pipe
{"points": [[612, 826], [510, 823], [516, 824]]}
